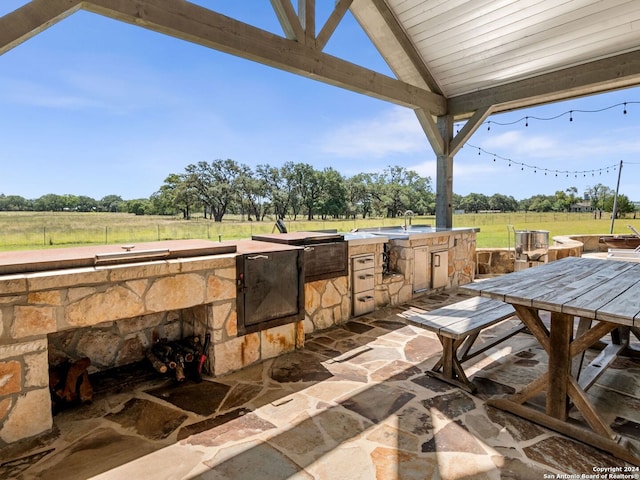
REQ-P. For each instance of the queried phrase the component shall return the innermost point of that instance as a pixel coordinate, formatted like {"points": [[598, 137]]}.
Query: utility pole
{"points": [[615, 199]]}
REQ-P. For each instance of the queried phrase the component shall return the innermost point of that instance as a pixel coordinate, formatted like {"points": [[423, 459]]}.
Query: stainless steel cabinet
{"points": [[363, 284]]}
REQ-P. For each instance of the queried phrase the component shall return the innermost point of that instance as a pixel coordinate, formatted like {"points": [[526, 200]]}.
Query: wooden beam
{"points": [[307, 16], [407, 46], [199, 25], [332, 23], [288, 19], [444, 175], [469, 129], [30, 19], [599, 76], [430, 129]]}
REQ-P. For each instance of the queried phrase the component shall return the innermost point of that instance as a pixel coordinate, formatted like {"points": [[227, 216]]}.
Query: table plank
{"points": [[624, 308], [589, 291], [521, 287], [593, 288], [556, 281]]}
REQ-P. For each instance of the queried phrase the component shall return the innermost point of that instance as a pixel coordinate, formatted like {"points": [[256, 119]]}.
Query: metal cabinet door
{"points": [[420, 269], [270, 289], [439, 269]]}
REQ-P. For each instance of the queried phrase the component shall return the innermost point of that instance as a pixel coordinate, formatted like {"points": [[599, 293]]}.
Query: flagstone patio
{"points": [[355, 403]]}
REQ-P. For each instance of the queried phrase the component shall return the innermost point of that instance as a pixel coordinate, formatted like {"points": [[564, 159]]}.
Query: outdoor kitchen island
{"points": [[113, 310]]}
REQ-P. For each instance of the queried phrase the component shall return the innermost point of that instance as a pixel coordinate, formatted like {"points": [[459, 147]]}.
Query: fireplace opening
{"points": [[117, 356]]}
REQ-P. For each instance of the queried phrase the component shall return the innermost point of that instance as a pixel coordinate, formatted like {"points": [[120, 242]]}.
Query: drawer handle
{"points": [[365, 260], [365, 276], [365, 298], [309, 249]]}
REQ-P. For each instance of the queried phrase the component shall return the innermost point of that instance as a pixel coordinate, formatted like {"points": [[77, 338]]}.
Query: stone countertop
{"points": [[366, 235], [24, 261]]}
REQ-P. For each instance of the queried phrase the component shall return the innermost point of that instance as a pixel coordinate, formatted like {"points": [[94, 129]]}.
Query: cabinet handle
{"points": [[365, 260], [309, 249], [256, 257], [365, 276]]}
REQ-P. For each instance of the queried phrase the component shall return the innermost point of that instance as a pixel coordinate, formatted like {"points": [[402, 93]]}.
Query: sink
{"points": [[359, 235], [394, 232]]}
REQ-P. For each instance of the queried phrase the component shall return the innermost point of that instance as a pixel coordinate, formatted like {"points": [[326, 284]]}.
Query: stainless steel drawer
{"points": [[364, 302], [362, 262], [363, 280]]}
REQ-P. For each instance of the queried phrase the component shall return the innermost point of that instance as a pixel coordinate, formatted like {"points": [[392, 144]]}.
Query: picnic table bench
{"points": [[458, 326]]}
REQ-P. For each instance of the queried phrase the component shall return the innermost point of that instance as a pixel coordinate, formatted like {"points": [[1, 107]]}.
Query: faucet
{"points": [[407, 213]]}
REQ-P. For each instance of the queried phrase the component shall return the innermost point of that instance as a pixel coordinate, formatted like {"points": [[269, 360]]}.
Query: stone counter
{"points": [[460, 244], [395, 256], [113, 313]]}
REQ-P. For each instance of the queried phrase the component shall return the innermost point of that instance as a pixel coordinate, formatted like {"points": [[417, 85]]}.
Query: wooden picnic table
{"points": [[605, 296]]}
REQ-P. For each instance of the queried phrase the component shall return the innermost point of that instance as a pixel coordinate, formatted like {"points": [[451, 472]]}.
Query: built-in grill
{"points": [[325, 253]]}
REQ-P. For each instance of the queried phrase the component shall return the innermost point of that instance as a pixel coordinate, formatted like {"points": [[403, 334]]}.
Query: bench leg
{"points": [[448, 368]]}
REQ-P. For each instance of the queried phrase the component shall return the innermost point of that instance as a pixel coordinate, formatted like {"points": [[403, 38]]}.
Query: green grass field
{"points": [[30, 230]]}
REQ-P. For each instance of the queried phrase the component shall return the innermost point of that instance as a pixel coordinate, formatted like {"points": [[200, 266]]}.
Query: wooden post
{"points": [[559, 365]]}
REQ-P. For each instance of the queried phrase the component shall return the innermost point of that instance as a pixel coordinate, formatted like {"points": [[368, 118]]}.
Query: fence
{"points": [[58, 230]]}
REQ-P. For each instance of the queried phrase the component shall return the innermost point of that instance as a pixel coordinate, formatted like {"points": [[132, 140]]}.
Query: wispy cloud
{"points": [[522, 144], [96, 85], [34, 94], [559, 146], [395, 130], [461, 170]]}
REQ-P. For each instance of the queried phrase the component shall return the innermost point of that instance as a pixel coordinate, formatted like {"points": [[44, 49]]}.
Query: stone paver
{"points": [[354, 404]]}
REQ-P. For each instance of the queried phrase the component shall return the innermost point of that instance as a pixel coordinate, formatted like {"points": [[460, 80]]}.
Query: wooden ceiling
{"points": [[507, 53]]}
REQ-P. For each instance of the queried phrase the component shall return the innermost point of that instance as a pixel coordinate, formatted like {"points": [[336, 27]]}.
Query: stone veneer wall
{"points": [[327, 303]]}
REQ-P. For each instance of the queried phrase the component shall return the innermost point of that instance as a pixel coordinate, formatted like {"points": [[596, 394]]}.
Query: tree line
{"points": [[226, 187], [598, 198]]}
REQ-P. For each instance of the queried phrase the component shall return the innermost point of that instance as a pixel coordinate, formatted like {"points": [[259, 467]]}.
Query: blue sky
{"points": [[96, 107]]}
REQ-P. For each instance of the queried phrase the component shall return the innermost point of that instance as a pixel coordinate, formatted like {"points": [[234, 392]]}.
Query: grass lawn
{"points": [[29, 230]]}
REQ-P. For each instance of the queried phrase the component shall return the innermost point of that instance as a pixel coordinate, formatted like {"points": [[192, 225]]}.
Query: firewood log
{"points": [[85, 390], [156, 363], [70, 392]]}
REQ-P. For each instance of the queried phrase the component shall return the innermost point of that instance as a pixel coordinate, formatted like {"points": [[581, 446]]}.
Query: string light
{"points": [[535, 168], [555, 117], [570, 113]]}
